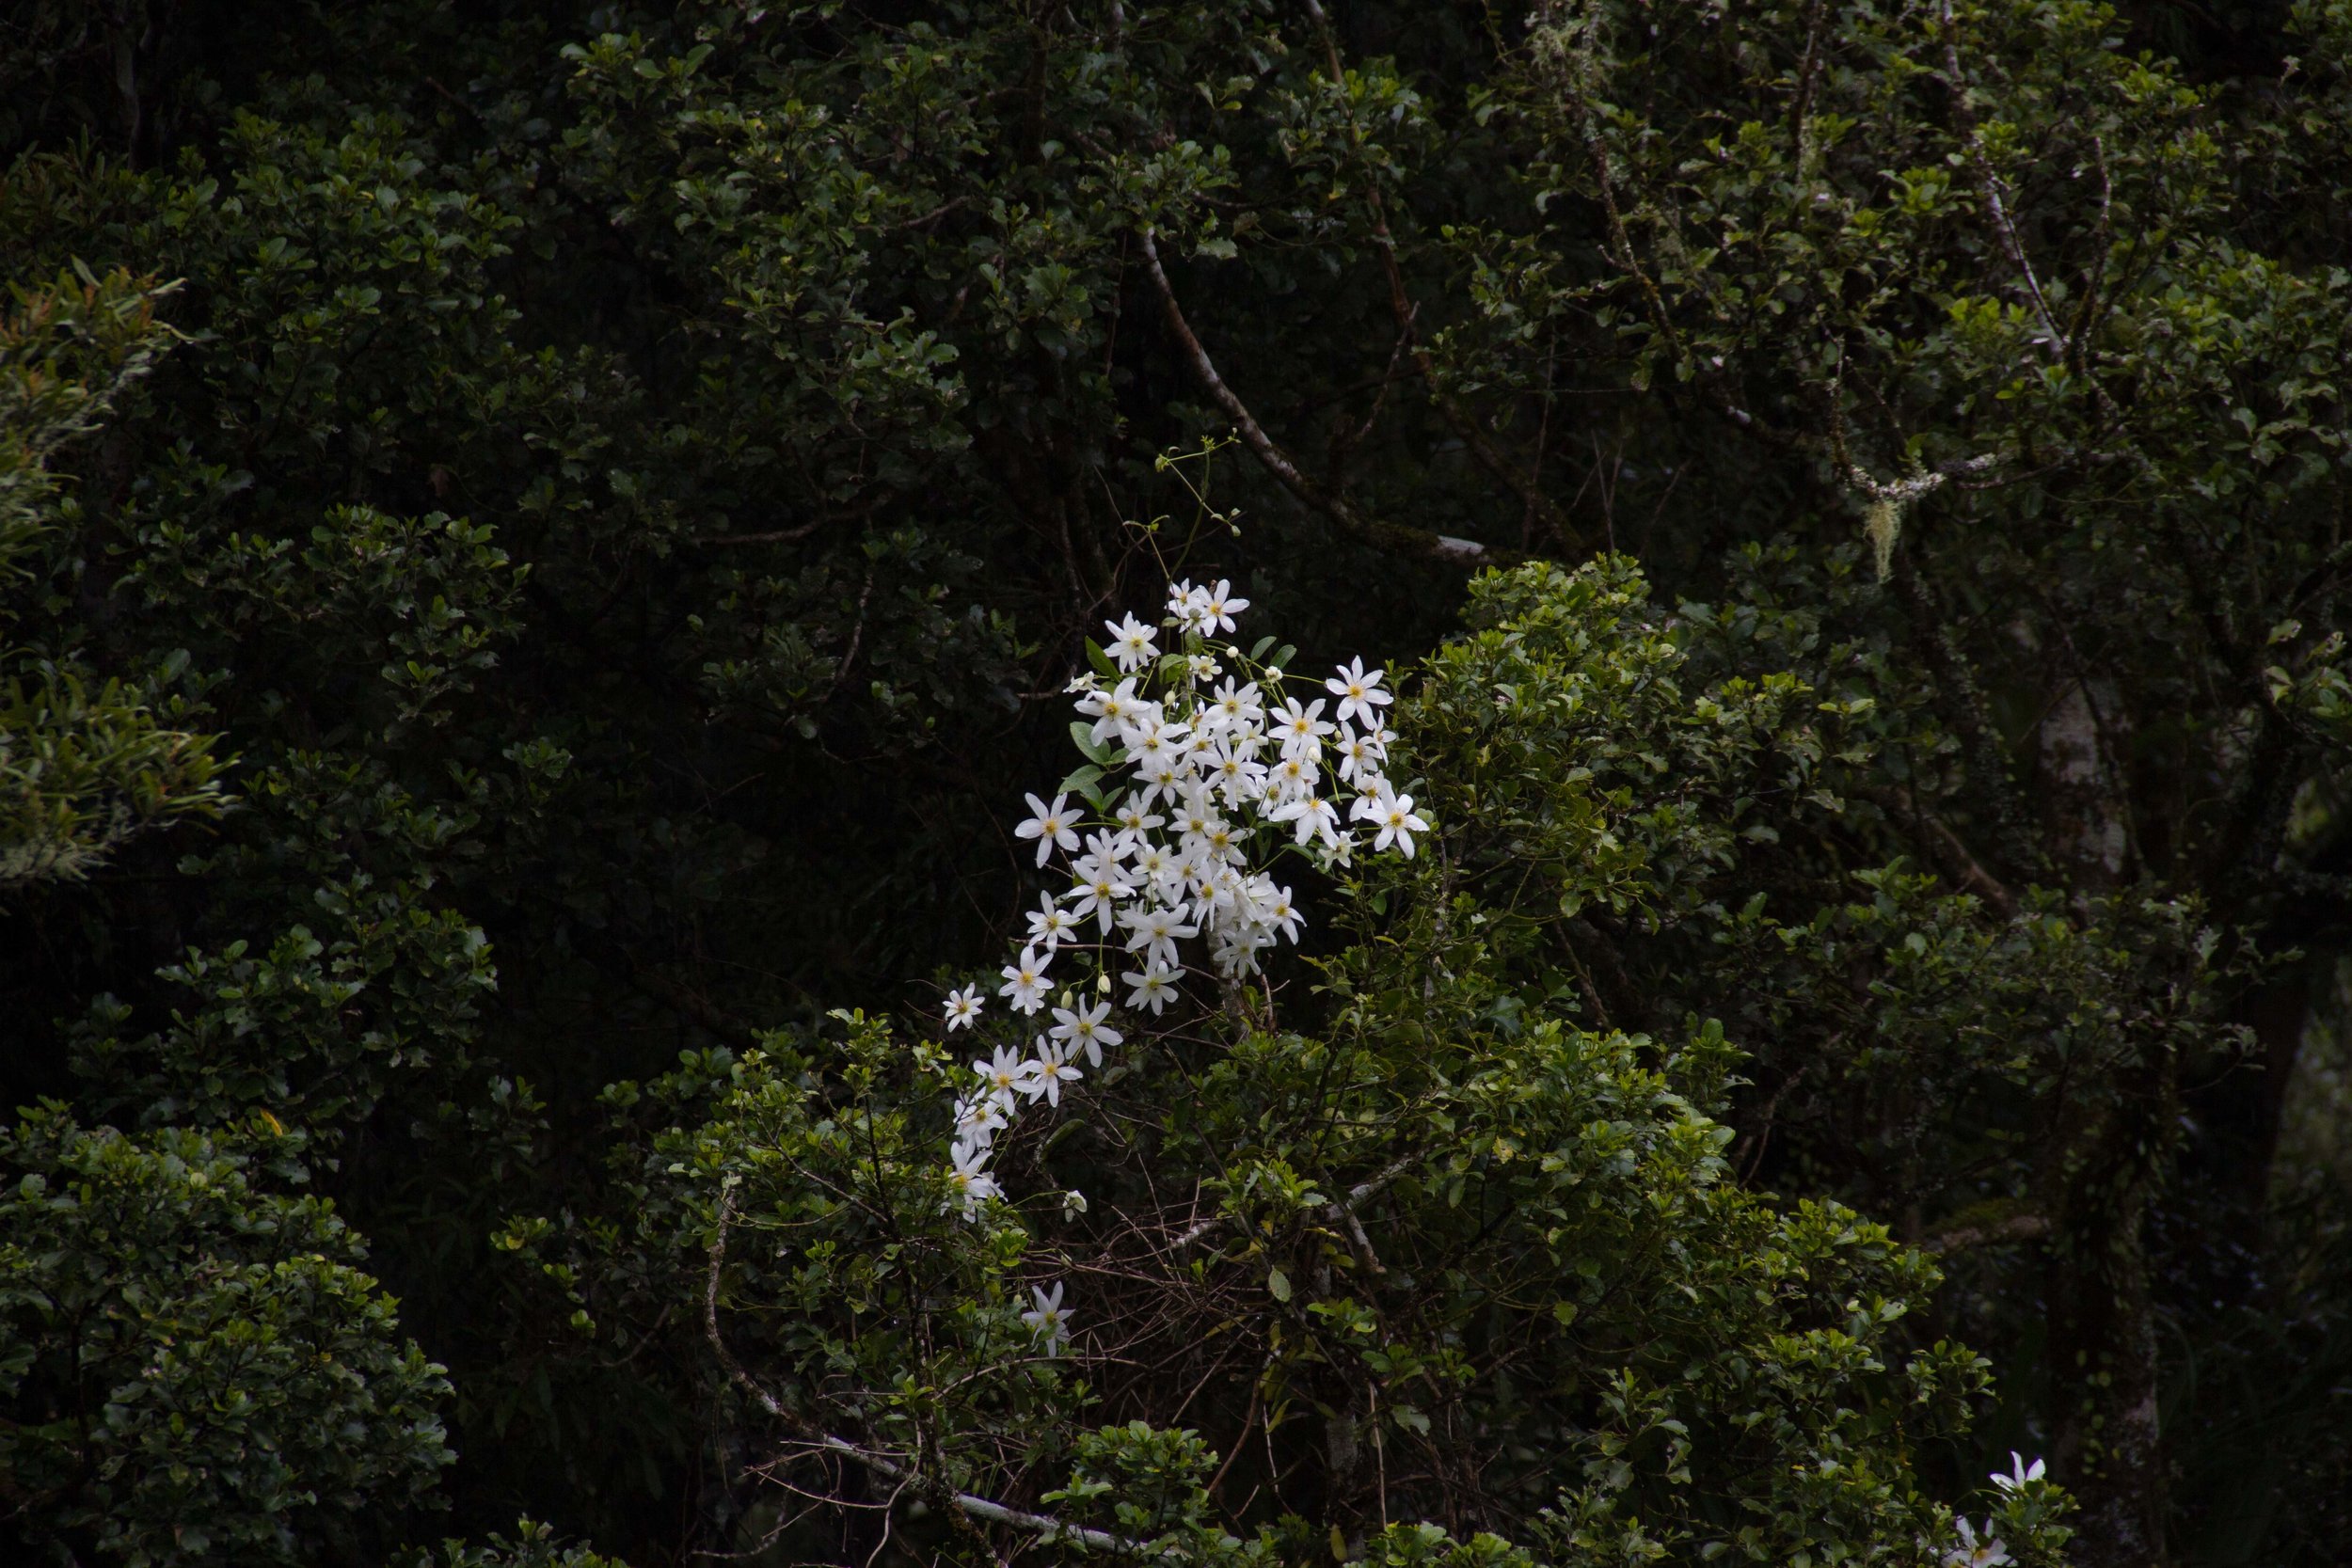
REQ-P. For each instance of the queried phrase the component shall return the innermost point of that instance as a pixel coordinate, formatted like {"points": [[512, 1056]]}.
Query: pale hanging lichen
{"points": [[1883, 515], [1882, 520]]}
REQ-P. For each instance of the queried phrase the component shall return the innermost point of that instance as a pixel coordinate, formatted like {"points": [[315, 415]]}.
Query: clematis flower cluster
{"points": [[1205, 767]]}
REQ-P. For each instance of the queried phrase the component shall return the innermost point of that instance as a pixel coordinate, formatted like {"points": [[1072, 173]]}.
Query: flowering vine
{"points": [[1203, 769]]}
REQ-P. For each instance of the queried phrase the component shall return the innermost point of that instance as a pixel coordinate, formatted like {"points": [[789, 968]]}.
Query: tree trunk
{"points": [[2103, 1370]]}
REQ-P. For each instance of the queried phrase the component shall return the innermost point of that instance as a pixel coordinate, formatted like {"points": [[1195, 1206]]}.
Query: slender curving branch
{"points": [[1393, 536]]}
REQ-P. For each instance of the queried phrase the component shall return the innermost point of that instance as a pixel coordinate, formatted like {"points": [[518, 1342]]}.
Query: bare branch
{"points": [[1372, 1186], [1800, 121], [1960, 1238], [775, 536], [1960, 862], [1394, 536]]}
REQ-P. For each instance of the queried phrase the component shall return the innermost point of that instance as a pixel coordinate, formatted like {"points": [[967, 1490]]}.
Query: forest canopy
{"points": [[1264, 781]]}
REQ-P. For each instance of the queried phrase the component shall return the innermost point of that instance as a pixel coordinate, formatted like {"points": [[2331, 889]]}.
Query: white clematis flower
{"points": [[1392, 815], [1218, 606], [2019, 1473], [1191, 869], [1235, 709], [1099, 894], [1154, 933], [1000, 1078], [969, 1183], [1133, 644], [1153, 987], [978, 1118], [1049, 1320], [1360, 694], [962, 1007], [1049, 924], [1113, 711], [1025, 981], [1085, 1028], [1300, 729], [1043, 1074], [1310, 816], [1281, 914], [1051, 825], [1359, 764]]}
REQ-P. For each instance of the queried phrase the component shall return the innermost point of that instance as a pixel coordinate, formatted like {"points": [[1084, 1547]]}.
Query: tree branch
{"points": [[1393, 536], [1471, 433], [1553, 46], [1042, 1525], [1960, 1237], [1981, 737], [1989, 187], [1962, 862], [775, 536]]}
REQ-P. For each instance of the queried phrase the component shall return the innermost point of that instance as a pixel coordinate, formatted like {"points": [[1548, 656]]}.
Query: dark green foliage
{"points": [[85, 763], [534, 1547], [196, 1370], [1429, 1249], [538, 542]]}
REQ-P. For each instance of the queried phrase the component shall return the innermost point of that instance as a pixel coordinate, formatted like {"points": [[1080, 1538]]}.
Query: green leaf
{"points": [[1082, 785]]}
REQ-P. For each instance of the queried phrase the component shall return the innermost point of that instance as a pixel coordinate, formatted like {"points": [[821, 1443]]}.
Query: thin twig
{"points": [[1799, 113], [1346, 440], [1563, 56]]}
